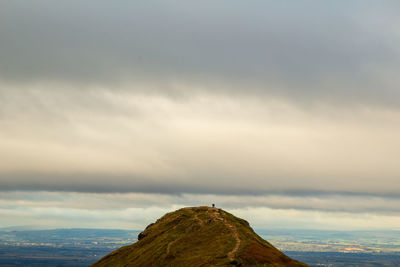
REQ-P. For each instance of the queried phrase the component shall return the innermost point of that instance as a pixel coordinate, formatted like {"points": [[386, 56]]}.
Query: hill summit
{"points": [[198, 236]]}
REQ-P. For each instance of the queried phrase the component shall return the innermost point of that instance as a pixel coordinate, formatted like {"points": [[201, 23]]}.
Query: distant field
{"points": [[62, 247], [81, 247], [334, 241], [338, 248], [48, 256], [338, 259]]}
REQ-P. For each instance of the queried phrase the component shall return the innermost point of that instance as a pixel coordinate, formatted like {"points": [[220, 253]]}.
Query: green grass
{"points": [[197, 244]]}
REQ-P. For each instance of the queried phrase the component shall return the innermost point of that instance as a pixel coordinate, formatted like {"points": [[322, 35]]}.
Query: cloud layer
{"points": [[137, 210], [307, 51], [99, 140], [283, 105]]}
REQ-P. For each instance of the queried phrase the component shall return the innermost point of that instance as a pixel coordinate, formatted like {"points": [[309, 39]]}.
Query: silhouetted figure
{"points": [[213, 205]]}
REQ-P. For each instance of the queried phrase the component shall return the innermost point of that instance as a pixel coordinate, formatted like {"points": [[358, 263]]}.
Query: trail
{"points": [[231, 254], [214, 213], [196, 218], [170, 244]]}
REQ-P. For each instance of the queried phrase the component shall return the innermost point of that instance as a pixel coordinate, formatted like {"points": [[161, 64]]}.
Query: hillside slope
{"points": [[198, 236]]}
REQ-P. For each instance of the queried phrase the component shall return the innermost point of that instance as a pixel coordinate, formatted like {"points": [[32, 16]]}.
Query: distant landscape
{"points": [[81, 247], [338, 248], [61, 247]]}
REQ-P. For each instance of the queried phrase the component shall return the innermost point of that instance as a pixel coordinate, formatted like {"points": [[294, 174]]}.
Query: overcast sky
{"points": [[286, 113]]}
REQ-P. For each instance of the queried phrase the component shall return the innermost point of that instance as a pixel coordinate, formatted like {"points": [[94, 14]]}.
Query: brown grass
{"points": [[199, 236]]}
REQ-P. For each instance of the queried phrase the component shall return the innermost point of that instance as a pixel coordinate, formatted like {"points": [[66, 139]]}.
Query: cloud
{"points": [[124, 141], [284, 105], [119, 201], [136, 210], [307, 52]]}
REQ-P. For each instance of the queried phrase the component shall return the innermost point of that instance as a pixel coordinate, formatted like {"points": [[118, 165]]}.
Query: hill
{"points": [[198, 236]]}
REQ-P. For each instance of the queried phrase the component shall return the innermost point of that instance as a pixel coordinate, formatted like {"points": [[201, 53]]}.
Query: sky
{"points": [[285, 113]]}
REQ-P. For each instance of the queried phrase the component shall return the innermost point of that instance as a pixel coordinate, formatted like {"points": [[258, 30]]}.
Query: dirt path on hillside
{"points": [[214, 213], [170, 244], [196, 218], [232, 253], [230, 226]]}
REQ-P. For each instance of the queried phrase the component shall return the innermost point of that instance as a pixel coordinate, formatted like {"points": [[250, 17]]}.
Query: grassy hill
{"points": [[198, 236]]}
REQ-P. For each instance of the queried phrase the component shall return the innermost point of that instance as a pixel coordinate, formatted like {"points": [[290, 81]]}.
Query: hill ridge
{"points": [[198, 236]]}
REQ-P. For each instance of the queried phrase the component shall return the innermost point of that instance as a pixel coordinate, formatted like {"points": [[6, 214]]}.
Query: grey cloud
{"points": [[222, 186], [309, 50], [89, 102], [121, 201], [103, 142]]}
